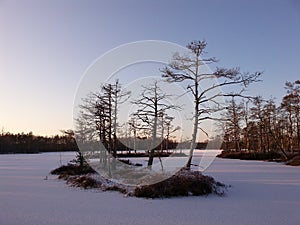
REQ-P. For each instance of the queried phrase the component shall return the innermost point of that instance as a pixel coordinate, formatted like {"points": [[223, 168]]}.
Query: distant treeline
{"points": [[261, 125], [29, 143]]}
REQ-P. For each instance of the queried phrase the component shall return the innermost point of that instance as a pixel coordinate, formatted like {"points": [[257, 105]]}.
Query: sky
{"points": [[46, 47]]}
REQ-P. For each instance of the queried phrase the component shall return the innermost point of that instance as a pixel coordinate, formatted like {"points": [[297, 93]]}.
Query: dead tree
{"points": [[97, 121], [188, 69], [134, 126], [170, 129], [166, 129], [119, 96], [151, 104]]}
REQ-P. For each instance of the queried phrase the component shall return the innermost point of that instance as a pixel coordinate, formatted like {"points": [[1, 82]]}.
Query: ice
{"points": [[262, 193]]}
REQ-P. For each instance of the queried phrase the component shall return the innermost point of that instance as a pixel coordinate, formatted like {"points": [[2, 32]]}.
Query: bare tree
{"points": [[97, 122], [151, 105], [119, 96], [188, 69], [134, 126], [170, 129], [106, 116]]}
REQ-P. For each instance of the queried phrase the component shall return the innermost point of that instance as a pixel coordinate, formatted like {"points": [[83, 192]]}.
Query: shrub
{"points": [[183, 183], [72, 169]]}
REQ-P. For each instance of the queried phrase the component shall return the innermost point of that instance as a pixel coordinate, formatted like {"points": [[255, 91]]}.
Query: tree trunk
{"points": [[193, 143], [154, 131], [195, 126]]}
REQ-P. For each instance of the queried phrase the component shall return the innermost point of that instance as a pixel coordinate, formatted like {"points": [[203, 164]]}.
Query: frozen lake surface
{"points": [[261, 193]]}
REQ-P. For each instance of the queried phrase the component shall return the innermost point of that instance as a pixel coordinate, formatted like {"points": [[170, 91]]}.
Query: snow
{"points": [[261, 193]]}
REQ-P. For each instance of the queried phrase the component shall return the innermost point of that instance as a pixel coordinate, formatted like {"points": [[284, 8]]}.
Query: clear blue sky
{"points": [[45, 46]]}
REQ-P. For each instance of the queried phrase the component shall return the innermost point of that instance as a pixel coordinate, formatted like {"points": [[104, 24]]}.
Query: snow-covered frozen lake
{"points": [[262, 193]]}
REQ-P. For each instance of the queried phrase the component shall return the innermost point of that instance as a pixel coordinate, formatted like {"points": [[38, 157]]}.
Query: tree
{"points": [[270, 121], [119, 96], [170, 129], [151, 105], [233, 117], [291, 106], [257, 115], [188, 69], [97, 121], [246, 119], [69, 134]]}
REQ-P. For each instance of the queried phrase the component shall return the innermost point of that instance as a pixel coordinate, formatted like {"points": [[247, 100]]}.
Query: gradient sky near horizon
{"points": [[46, 46]]}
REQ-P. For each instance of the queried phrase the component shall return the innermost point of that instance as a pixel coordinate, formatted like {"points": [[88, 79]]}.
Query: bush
{"points": [[184, 183], [72, 169]]}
